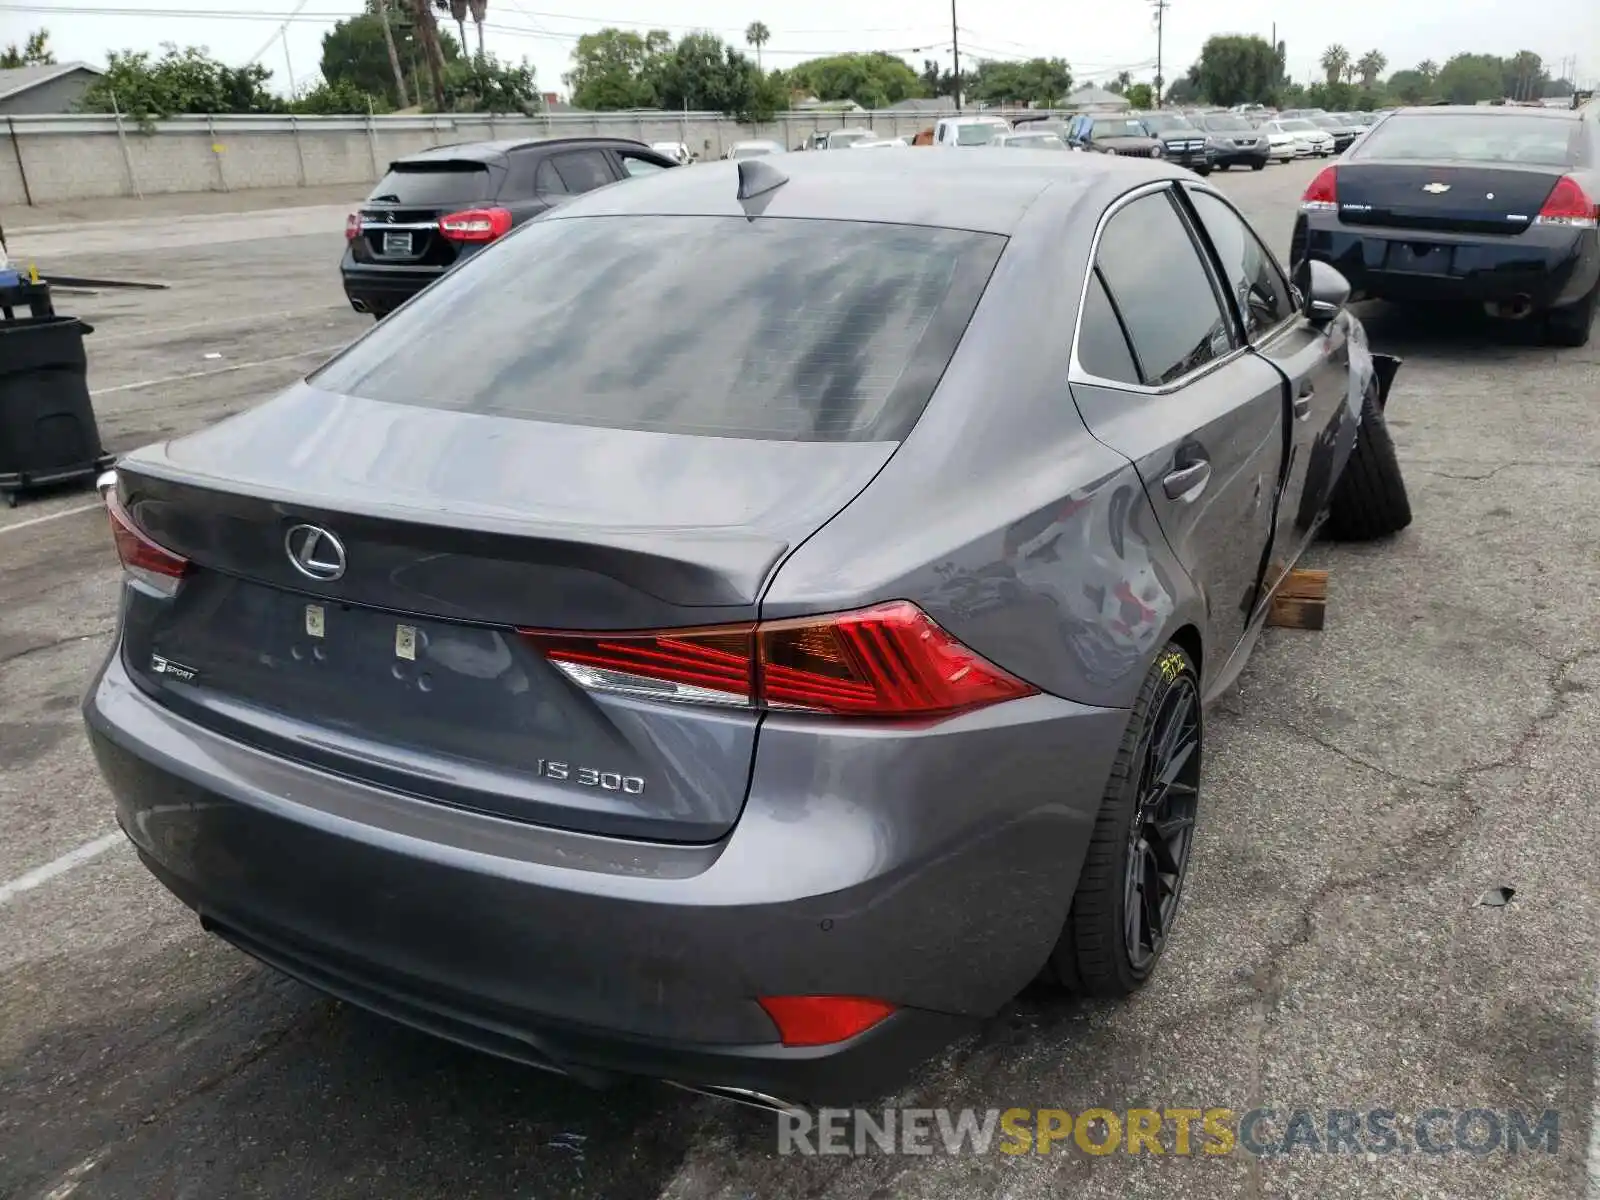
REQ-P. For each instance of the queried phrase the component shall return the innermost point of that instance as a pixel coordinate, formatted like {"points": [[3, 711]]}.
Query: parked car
{"points": [[621, 688], [1497, 206], [882, 144], [433, 210], [1105, 134], [1302, 114], [1341, 131], [1182, 140], [756, 148], [1317, 141], [679, 152], [843, 139], [1233, 141], [964, 132], [1282, 145], [1029, 138]]}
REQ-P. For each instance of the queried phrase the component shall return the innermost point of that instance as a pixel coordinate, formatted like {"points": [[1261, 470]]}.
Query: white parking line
{"points": [[1594, 1102], [69, 860], [134, 335], [244, 366], [55, 516]]}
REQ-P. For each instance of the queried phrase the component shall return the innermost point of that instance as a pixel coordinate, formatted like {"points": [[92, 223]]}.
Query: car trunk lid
{"points": [[1451, 198], [399, 221]]}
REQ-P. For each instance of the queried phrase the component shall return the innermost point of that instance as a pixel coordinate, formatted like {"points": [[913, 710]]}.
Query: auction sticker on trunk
{"points": [[405, 642], [316, 621]]}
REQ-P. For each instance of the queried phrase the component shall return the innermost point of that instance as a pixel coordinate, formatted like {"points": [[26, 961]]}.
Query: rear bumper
{"points": [[1550, 266], [597, 956], [382, 288], [1238, 157]]}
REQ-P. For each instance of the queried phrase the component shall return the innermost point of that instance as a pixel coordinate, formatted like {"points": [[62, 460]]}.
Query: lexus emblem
{"points": [[1436, 189], [315, 553]]}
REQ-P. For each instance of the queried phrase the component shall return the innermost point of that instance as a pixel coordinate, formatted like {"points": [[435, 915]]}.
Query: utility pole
{"points": [[394, 55], [1161, 7], [955, 50], [287, 61]]}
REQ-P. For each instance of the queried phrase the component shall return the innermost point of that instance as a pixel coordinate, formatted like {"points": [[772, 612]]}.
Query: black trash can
{"points": [[48, 433]]}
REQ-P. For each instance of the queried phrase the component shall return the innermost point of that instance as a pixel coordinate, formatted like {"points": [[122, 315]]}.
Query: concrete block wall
{"points": [[51, 159]]}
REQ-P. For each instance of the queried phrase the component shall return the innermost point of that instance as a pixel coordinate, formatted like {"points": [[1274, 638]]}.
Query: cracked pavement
{"points": [[1364, 785]]}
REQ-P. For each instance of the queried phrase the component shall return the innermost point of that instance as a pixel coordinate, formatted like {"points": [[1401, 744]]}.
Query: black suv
{"points": [[434, 209]]}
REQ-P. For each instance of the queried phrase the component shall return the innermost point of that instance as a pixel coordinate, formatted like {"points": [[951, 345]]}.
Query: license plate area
{"points": [[397, 242], [1418, 258]]}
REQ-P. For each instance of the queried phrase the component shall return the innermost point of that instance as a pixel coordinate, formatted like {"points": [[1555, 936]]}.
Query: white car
{"points": [[961, 132], [674, 150], [881, 144], [1317, 141], [1283, 146], [843, 139], [753, 149], [1039, 139]]}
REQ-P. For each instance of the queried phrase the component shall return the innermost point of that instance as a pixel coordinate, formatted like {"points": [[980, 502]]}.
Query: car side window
{"points": [[521, 180], [1253, 277], [1156, 278], [583, 170], [633, 165], [545, 180], [1103, 349]]}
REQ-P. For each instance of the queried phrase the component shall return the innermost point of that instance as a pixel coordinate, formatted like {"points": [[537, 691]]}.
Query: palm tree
{"points": [[1370, 66], [1334, 60], [480, 9], [1121, 83], [758, 35], [1428, 69], [458, 13]]}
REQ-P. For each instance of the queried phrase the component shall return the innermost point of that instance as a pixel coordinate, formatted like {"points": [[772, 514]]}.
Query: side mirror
{"points": [[1326, 291]]}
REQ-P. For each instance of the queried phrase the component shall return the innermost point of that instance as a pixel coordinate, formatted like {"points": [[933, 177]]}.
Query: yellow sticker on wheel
{"points": [[405, 642], [1171, 666]]}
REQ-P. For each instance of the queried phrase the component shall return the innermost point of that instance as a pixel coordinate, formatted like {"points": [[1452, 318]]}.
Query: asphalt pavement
{"points": [[1365, 786]]}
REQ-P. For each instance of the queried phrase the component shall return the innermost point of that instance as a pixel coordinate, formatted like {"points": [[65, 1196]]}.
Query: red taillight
{"points": [[888, 661], [141, 557], [352, 227], [822, 1020], [1323, 194], [1569, 204], [476, 225]]}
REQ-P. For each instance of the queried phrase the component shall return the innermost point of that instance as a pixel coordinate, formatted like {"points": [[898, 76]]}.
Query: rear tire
{"points": [[1202, 171], [1259, 166], [1095, 955], [1369, 500], [1570, 326]]}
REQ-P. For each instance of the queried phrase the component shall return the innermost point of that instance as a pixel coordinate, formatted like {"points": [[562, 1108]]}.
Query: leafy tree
{"points": [[458, 13], [354, 52], [180, 81], [484, 84], [1185, 90], [1338, 96], [338, 99], [1120, 85], [1039, 81], [1428, 69], [1559, 87], [1468, 78], [1411, 87], [1334, 60], [705, 74], [1141, 95], [1369, 66], [758, 35], [936, 80], [617, 68], [1236, 68], [873, 80], [1524, 76], [35, 52]]}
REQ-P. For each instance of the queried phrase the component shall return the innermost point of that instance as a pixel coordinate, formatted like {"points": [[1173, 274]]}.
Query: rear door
{"points": [[400, 219], [528, 191], [584, 170], [1160, 376], [1314, 360]]}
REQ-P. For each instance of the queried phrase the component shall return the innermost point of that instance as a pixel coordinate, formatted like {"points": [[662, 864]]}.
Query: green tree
{"points": [[1411, 87], [1469, 78], [936, 80], [1141, 96], [458, 13], [1338, 96], [1559, 88], [1428, 69], [1334, 60], [35, 52], [1524, 76], [705, 74], [354, 52], [758, 35], [1043, 81], [1120, 85], [180, 81], [1236, 68], [1369, 66], [338, 99], [484, 84], [873, 80], [617, 68], [1185, 90]]}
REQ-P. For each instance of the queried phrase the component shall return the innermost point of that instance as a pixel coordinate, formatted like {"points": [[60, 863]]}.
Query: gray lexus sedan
{"points": [[742, 627]]}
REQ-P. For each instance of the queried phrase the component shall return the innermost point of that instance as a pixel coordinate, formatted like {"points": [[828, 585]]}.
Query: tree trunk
{"points": [[428, 33], [480, 38], [394, 55]]}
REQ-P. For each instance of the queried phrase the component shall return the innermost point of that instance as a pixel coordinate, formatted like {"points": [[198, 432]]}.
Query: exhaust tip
{"points": [[360, 306], [745, 1096], [1515, 309], [106, 483]]}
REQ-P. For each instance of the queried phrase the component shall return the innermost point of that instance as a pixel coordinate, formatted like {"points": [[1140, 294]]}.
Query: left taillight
{"points": [[352, 227], [143, 558], [476, 224], [889, 661]]}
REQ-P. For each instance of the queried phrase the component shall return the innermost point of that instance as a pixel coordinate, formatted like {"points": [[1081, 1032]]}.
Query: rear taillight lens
{"points": [[476, 225], [142, 558], [889, 661], [1323, 194], [352, 227], [823, 1020], [1568, 204]]}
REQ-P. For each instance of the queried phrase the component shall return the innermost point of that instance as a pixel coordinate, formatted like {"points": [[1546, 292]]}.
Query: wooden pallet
{"points": [[1301, 601]]}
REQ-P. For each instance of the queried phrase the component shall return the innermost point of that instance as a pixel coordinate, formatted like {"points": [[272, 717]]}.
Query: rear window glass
{"points": [[805, 330], [435, 183], [1494, 137], [1228, 125]]}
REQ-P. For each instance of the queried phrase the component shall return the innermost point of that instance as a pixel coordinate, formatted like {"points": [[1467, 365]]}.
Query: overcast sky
{"points": [[1097, 40]]}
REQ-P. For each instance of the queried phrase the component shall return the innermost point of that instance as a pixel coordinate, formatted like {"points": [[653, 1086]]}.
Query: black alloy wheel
{"points": [[1162, 832]]}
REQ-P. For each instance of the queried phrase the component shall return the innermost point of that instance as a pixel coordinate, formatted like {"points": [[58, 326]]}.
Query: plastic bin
{"points": [[48, 433]]}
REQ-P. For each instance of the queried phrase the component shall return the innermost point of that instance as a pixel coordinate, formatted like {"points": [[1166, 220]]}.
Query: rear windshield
{"points": [[1165, 122], [1494, 137], [434, 183], [1228, 125], [978, 134], [1296, 125], [796, 330]]}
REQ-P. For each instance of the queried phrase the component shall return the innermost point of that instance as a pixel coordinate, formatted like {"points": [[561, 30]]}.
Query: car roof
{"points": [[987, 193], [492, 151]]}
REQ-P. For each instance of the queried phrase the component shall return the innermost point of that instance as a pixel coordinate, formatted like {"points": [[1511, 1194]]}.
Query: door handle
{"points": [[1185, 483]]}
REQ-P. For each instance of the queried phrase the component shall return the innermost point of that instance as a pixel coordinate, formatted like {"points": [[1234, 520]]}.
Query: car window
{"points": [[1103, 349], [1154, 274], [522, 179], [583, 170], [633, 165], [1256, 282], [808, 330], [1494, 136], [545, 180], [434, 182]]}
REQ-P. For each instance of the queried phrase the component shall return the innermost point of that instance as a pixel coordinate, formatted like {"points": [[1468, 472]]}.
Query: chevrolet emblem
{"points": [[1436, 189]]}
